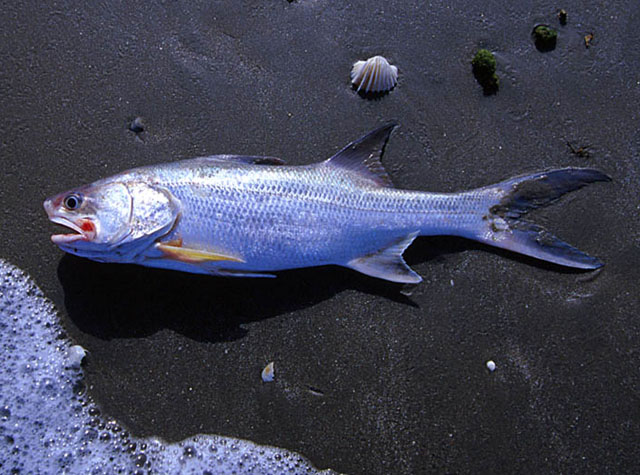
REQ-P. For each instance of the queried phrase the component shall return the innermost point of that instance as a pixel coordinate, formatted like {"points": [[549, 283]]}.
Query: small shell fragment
{"points": [[374, 75], [491, 366], [268, 373]]}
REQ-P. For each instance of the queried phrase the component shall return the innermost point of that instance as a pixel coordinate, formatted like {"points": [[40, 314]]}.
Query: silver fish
{"points": [[250, 216]]}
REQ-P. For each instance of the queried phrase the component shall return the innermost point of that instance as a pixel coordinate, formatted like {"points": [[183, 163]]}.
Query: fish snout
{"points": [[83, 229], [50, 207]]}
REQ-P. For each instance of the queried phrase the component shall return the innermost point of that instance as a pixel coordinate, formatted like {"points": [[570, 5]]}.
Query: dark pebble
{"points": [[136, 125]]}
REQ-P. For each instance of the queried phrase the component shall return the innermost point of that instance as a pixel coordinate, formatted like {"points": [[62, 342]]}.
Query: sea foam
{"points": [[49, 425]]}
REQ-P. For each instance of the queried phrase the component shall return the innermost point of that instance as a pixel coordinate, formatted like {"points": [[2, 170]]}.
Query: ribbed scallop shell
{"points": [[374, 75]]}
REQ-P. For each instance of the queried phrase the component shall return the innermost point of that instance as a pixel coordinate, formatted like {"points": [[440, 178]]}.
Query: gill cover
{"points": [[154, 211], [109, 207]]}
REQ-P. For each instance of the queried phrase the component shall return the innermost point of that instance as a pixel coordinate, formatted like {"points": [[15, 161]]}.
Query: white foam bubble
{"points": [[48, 424], [76, 355]]}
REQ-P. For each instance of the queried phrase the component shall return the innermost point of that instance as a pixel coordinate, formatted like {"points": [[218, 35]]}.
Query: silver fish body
{"points": [[250, 216]]}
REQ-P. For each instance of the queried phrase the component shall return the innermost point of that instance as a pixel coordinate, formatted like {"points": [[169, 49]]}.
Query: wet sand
{"points": [[367, 380]]}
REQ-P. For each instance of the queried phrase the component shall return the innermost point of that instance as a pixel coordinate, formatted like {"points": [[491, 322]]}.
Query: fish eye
{"points": [[72, 201]]}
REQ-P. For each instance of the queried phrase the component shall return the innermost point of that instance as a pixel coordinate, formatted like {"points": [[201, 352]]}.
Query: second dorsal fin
{"points": [[363, 156]]}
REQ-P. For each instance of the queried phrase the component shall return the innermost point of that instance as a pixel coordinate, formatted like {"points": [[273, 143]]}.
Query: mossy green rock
{"points": [[484, 63], [545, 37], [484, 69]]}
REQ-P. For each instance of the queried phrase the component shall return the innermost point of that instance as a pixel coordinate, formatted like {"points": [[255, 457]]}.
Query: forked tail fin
{"points": [[503, 224]]}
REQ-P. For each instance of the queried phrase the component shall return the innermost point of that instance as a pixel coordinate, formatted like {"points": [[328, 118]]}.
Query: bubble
{"points": [[51, 425], [140, 460], [76, 354]]}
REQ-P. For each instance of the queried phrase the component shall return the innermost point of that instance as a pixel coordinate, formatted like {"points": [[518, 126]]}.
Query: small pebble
{"points": [[588, 39], [136, 125], [268, 373], [491, 366], [562, 17]]}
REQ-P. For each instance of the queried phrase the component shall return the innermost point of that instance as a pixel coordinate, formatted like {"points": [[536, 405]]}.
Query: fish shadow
{"points": [[127, 301]]}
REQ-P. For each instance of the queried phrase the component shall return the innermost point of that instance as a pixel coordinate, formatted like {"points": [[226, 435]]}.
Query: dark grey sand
{"points": [[367, 380]]}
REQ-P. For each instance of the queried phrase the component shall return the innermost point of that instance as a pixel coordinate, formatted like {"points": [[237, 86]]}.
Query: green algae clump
{"points": [[484, 70], [545, 37]]}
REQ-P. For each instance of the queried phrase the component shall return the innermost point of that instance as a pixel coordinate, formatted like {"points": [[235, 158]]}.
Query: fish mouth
{"points": [[83, 232]]}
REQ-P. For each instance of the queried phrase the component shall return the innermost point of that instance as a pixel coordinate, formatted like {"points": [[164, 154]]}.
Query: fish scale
{"points": [[250, 216], [290, 217]]}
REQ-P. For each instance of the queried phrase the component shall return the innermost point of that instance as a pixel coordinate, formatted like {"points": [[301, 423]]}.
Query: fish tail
{"points": [[508, 201]]}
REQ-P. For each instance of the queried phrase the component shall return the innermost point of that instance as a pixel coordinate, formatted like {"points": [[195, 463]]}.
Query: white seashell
{"points": [[374, 75], [268, 373]]}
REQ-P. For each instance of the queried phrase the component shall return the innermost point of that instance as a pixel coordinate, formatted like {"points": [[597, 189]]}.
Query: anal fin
{"points": [[175, 250], [388, 263]]}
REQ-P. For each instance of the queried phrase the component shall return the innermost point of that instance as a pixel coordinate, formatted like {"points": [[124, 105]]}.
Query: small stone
{"points": [[136, 126], [491, 366], [588, 39], [562, 16]]}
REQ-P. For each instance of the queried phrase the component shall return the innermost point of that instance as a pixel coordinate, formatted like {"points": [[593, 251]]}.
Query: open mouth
{"points": [[85, 231]]}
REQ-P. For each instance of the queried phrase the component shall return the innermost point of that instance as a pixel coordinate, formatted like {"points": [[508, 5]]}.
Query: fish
{"points": [[251, 216]]}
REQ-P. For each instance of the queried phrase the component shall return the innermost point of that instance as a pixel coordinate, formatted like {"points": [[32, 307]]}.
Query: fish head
{"points": [[111, 220]]}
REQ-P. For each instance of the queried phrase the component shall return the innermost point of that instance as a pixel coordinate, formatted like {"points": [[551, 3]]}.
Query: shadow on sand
{"points": [[127, 301]]}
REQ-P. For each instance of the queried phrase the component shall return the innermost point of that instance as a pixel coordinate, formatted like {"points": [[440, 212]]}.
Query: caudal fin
{"points": [[504, 227]]}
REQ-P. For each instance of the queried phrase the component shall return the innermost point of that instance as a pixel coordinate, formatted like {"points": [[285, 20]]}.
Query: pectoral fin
{"points": [[175, 250], [388, 263]]}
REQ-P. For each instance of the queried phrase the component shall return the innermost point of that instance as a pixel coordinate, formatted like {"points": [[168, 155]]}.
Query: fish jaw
{"points": [[85, 229]]}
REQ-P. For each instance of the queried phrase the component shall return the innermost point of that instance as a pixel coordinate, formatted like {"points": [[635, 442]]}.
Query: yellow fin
{"points": [[192, 256]]}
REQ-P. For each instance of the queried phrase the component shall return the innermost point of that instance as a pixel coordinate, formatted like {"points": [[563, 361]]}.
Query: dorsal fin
{"points": [[363, 156], [248, 159]]}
